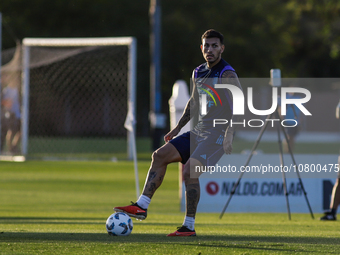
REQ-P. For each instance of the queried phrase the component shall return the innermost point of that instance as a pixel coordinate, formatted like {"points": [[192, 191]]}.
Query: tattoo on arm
{"points": [[186, 115], [190, 109]]}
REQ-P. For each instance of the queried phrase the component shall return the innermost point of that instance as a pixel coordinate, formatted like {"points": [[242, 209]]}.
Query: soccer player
{"points": [[335, 199], [10, 114], [202, 146]]}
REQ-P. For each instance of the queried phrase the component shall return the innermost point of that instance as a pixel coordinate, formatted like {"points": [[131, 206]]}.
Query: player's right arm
{"points": [[190, 109]]}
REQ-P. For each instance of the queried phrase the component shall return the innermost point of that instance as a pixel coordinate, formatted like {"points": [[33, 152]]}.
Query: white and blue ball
{"points": [[119, 224]]}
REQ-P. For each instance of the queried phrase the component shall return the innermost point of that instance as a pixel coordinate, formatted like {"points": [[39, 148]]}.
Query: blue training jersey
{"points": [[218, 101]]}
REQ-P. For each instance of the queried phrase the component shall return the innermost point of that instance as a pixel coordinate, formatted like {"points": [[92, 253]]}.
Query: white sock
{"points": [[143, 201], [189, 222]]}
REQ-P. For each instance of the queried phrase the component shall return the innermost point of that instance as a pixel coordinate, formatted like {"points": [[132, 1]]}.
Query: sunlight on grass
{"points": [[61, 208]]}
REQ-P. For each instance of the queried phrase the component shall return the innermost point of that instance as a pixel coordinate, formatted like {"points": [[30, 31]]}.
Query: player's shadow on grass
{"points": [[202, 243], [227, 242], [69, 220], [209, 240], [49, 220]]}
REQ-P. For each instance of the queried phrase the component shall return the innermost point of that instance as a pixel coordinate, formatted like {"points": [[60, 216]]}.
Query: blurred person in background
{"points": [[10, 113], [335, 199]]}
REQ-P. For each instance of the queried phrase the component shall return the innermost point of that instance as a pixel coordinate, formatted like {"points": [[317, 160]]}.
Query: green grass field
{"points": [[61, 208], [108, 149]]}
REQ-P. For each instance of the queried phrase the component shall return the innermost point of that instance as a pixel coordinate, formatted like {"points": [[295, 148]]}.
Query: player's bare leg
{"points": [[9, 140], [192, 187], [335, 195], [160, 159], [192, 196], [335, 201], [15, 142]]}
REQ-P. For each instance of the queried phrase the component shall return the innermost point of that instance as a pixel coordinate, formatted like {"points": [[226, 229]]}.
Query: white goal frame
{"points": [[69, 42]]}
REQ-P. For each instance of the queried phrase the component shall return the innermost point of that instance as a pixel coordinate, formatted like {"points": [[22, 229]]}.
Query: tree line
{"points": [[302, 38]]}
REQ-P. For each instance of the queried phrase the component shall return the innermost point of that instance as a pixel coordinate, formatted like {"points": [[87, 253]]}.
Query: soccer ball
{"points": [[119, 224]]}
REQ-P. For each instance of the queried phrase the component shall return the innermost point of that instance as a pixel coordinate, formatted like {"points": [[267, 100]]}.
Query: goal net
{"points": [[75, 97]]}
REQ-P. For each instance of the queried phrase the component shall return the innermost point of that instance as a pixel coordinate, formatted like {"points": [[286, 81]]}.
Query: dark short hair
{"points": [[212, 33]]}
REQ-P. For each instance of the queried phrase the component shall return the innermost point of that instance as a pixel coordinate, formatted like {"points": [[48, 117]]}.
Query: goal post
{"points": [[102, 73]]}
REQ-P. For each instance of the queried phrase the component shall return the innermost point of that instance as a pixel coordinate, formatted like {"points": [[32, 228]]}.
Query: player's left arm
{"points": [[190, 110], [230, 77]]}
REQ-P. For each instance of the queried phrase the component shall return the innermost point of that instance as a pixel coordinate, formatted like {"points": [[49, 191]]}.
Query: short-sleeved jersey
{"points": [[218, 101]]}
